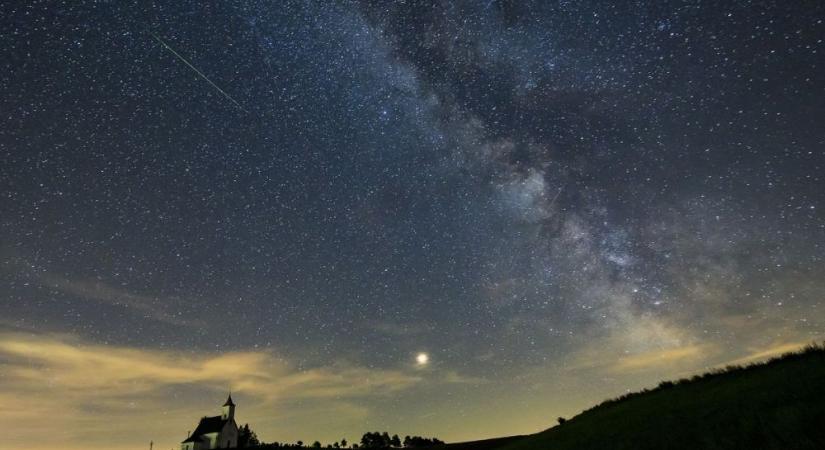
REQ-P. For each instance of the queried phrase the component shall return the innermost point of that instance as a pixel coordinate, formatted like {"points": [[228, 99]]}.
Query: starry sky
{"points": [[556, 201]]}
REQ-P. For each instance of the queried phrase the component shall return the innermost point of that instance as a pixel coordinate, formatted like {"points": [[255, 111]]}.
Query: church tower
{"points": [[228, 409]]}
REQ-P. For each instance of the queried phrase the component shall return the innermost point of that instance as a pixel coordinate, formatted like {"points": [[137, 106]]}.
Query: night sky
{"points": [[556, 201]]}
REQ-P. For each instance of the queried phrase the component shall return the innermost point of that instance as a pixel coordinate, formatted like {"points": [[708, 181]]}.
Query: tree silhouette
{"points": [[366, 440], [418, 441], [247, 437], [372, 440], [382, 440]]}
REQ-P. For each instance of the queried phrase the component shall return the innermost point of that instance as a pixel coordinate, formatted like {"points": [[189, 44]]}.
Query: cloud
{"points": [[32, 360], [67, 390], [757, 354], [151, 307], [643, 344], [397, 328], [659, 358], [454, 377]]}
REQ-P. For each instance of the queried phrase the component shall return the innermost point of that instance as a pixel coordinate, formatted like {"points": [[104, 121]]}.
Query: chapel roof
{"points": [[207, 425]]}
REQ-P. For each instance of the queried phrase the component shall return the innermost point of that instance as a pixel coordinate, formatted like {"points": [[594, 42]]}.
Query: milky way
{"points": [[555, 201]]}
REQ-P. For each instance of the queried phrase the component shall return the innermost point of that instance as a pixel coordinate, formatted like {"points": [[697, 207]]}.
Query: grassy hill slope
{"points": [[775, 405]]}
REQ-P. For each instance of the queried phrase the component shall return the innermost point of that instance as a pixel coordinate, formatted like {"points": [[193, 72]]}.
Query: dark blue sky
{"points": [[511, 187]]}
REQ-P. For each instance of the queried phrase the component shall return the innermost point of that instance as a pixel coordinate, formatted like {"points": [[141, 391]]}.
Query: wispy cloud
{"points": [[151, 307], [761, 354], [646, 344], [31, 360], [398, 329], [125, 388], [659, 358]]}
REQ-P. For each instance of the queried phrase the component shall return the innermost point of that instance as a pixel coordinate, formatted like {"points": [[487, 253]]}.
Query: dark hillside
{"points": [[775, 405], [486, 444]]}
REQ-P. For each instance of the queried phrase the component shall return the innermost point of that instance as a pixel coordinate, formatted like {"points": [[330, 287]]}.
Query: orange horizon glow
{"points": [[81, 395]]}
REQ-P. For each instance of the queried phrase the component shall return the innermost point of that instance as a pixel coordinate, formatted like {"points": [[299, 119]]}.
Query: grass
{"points": [[778, 404]]}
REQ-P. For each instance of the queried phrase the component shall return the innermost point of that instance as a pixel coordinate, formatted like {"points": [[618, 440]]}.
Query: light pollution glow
{"points": [[100, 391]]}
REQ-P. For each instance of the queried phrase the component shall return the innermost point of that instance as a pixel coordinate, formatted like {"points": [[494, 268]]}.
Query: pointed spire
{"points": [[229, 401]]}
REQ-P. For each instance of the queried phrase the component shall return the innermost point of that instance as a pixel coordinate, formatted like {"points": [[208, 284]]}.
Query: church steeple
{"points": [[228, 409]]}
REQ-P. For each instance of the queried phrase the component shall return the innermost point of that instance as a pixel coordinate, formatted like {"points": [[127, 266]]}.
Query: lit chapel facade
{"points": [[216, 431]]}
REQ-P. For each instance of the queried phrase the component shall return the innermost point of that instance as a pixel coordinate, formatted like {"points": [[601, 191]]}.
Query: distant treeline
{"points": [[371, 440]]}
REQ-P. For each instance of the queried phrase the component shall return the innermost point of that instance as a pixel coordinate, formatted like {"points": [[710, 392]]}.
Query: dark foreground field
{"points": [[775, 405]]}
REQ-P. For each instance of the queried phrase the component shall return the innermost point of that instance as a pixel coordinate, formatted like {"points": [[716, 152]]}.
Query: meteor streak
{"points": [[202, 75]]}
